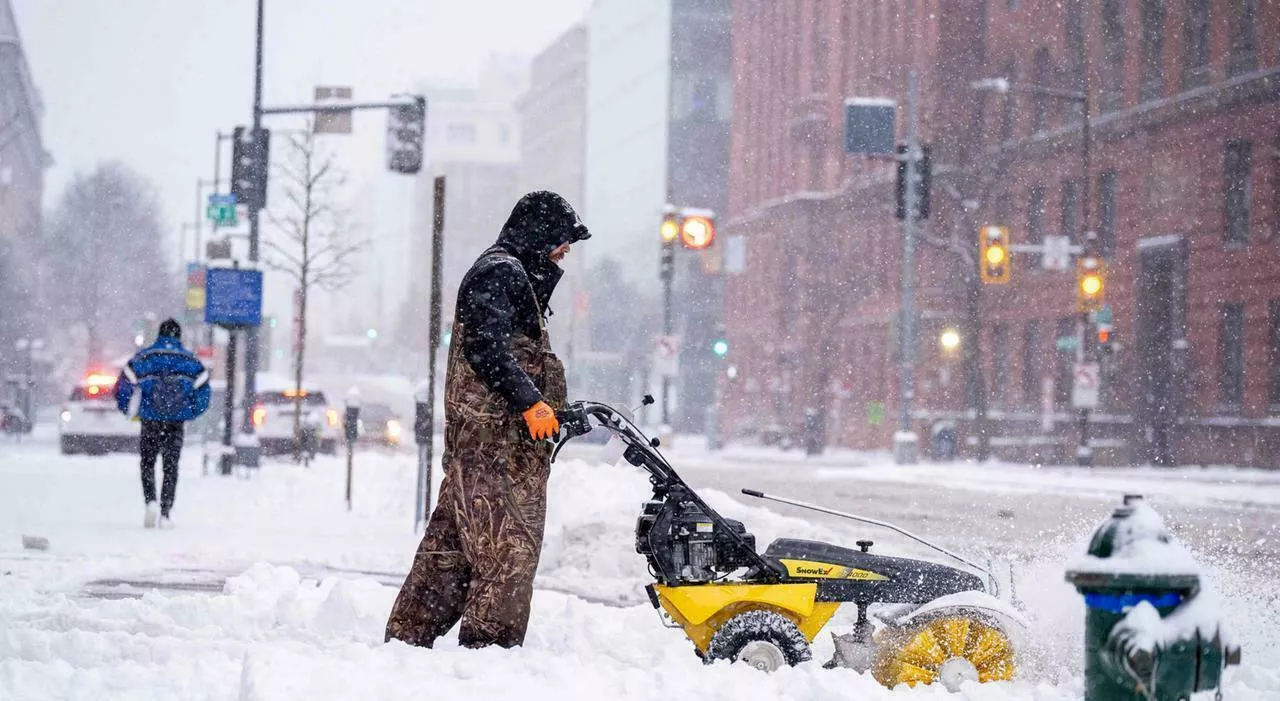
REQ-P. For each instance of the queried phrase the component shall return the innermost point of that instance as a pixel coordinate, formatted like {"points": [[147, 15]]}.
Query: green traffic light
{"points": [[720, 348]]}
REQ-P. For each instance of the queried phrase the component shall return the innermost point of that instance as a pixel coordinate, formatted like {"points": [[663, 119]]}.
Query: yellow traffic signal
{"points": [[1091, 284], [697, 232], [994, 262], [670, 229]]}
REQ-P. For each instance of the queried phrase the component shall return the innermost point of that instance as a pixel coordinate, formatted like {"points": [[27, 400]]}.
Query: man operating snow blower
{"points": [[477, 559]]}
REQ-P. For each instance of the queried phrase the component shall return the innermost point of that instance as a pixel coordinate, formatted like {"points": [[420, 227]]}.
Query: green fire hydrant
{"points": [[1152, 631]]}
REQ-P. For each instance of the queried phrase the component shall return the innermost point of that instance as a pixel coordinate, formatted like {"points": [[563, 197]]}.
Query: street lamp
{"points": [[1084, 452], [949, 339]]}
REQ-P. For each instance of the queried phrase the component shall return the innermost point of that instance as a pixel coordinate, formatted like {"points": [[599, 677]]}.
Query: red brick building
{"points": [[1184, 187]]}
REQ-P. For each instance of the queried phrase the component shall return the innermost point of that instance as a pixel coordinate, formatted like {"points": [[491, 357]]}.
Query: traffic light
{"points": [[720, 347], [406, 128], [1091, 284], [924, 180], [697, 231], [250, 158], [995, 262], [1105, 336], [668, 232]]}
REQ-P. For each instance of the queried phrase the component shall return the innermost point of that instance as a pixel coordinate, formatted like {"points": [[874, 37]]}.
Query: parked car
{"points": [[273, 414], [91, 423], [380, 425]]}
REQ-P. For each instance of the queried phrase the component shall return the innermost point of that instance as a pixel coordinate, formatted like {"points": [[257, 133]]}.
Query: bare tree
{"points": [[315, 246], [100, 253]]}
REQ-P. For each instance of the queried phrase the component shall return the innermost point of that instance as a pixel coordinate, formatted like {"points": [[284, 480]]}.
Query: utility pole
{"points": [[426, 445], [251, 334], [905, 443]]}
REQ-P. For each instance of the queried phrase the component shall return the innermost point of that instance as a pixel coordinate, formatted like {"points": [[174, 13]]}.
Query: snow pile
{"points": [[1142, 545]]}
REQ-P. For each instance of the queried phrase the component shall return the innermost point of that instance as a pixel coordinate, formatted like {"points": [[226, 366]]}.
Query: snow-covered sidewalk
{"points": [[269, 589]]}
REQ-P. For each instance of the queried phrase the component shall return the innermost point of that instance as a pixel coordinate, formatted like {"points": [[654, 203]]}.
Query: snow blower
{"points": [[918, 622]]}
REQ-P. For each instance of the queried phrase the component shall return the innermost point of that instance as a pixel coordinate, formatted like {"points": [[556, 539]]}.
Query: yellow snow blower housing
{"points": [[932, 623]]}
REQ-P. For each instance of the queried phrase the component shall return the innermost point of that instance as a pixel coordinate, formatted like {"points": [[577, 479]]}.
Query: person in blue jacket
{"points": [[164, 385]]}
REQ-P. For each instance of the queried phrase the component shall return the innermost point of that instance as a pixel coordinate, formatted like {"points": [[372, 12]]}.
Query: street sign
{"points": [[1084, 388], [1068, 343], [332, 122], [868, 126], [222, 209], [1057, 253], [735, 254], [666, 356], [233, 297]]}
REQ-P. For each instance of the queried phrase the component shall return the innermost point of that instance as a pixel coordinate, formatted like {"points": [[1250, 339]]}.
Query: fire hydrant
{"points": [[1152, 628]]}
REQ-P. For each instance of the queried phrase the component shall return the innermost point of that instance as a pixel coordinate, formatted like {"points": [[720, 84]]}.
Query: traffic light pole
{"points": [[1084, 451], [251, 345], [668, 323], [905, 449]]}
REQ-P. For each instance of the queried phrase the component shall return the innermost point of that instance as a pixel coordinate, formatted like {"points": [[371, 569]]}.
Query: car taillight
{"points": [[332, 416], [259, 415]]}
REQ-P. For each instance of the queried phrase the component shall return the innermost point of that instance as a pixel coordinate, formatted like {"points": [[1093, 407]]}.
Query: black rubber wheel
{"points": [[765, 628]]}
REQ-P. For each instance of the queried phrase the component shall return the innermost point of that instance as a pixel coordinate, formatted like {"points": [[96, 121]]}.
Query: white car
{"points": [[273, 414], [91, 423]]}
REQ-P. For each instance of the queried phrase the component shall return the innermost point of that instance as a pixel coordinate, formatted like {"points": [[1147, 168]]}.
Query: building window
{"points": [[459, 133], [1275, 190], [1074, 31], [1007, 113], [1070, 208], [1273, 353], [1231, 354], [1152, 86], [1238, 185], [1195, 44], [1040, 76], [1107, 213], [999, 360], [1035, 221], [1030, 362], [1113, 55], [1244, 37]]}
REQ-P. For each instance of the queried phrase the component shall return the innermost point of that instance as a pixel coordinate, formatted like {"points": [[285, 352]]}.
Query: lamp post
{"points": [[1084, 452]]}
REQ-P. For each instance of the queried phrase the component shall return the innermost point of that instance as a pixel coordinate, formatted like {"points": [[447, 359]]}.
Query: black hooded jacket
{"points": [[499, 296]]}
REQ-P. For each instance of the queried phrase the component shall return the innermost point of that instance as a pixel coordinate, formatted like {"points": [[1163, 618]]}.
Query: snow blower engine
{"points": [[917, 621]]}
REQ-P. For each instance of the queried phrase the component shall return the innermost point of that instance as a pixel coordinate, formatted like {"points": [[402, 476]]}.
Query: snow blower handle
{"points": [[883, 524]]}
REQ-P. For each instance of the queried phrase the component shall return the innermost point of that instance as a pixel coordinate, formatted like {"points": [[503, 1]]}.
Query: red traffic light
{"points": [[697, 232]]}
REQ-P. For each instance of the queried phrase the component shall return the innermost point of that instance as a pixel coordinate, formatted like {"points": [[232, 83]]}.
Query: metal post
{"points": [[906, 450], [351, 459], [228, 407], [426, 452], [1084, 451], [668, 328], [251, 334]]}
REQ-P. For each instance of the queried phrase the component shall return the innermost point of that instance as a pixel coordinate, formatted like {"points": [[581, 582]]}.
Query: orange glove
{"points": [[542, 421]]}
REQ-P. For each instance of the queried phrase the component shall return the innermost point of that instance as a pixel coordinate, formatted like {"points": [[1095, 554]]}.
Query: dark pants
{"points": [[164, 439]]}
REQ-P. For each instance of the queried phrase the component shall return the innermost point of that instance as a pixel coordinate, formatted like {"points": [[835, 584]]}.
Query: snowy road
{"points": [[269, 589]]}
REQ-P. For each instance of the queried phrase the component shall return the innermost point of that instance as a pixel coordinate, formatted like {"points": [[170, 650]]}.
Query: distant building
{"points": [[473, 139], [1184, 207], [658, 104], [552, 157], [22, 155]]}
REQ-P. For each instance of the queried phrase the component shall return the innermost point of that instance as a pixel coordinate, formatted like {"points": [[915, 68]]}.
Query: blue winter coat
{"points": [[163, 370]]}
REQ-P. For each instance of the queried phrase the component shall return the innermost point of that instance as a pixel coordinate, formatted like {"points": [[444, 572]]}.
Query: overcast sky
{"points": [[149, 81]]}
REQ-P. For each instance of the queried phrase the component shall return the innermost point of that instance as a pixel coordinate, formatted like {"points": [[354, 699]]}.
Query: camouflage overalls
{"points": [[478, 556]]}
